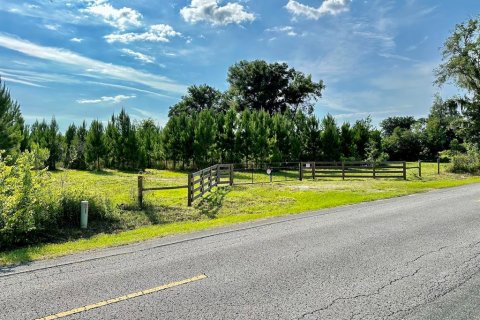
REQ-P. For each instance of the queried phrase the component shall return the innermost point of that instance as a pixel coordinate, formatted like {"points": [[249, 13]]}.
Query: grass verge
{"points": [[167, 215]]}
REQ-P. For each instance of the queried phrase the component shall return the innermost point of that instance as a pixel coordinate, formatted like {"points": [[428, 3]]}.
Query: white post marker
{"points": [[269, 172], [84, 215]]}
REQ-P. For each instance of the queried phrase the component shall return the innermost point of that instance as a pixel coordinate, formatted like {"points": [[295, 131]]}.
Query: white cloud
{"points": [[93, 67], [396, 56], [211, 12], [139, 56], [78, 40], [332, 7], [121, 19], [156, 33], [115, 99], [52, 27], [288, 30]]}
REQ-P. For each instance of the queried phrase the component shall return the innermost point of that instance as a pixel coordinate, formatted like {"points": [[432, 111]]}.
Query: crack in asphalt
{"points": [[378, 291], [445, 292], [410, 310]]}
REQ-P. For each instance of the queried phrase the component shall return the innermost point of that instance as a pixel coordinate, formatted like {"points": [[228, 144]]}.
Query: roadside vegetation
{"points": [[116, 220], [266, 115]]}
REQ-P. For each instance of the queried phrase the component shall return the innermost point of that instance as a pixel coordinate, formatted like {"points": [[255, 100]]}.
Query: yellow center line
{"points": [[122, 298]]}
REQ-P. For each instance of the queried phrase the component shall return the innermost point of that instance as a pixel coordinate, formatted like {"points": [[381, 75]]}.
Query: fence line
{"points": [[201, 182]]}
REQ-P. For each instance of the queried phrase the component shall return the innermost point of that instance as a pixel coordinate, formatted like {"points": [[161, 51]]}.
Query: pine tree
{"points": [[244, 136], [111, 142], [347, 148], [11, 123], [94, 143], [77, 148], [54, 144], [147, 137], [330, 139], [69, 136], [126, 143], [171, 140], [204, 142]]}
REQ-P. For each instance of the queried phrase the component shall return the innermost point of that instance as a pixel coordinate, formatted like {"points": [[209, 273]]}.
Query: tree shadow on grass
{"points": [[211, 204]]}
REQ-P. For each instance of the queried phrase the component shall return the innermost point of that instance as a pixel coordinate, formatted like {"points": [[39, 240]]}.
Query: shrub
{"points": [[468, 162], [24, 202], [29, 208]]}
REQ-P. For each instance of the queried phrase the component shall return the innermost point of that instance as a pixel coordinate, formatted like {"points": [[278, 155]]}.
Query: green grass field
{"points": [[166, 212]]}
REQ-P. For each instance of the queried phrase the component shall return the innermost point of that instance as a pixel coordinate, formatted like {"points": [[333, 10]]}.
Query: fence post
{"points": [[300, 170], [231, 174], [373, 167], [313, 170], [420, 168], [190, 189], [438, 165], [140, 191], [343, 170], [404, 170]]}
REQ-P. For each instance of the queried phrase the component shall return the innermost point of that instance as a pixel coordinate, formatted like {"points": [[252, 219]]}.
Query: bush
{"points": [[29, 208], [24, 205], [468, 162]]}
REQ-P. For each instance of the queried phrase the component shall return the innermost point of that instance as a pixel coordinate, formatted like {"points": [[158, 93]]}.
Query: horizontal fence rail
{"points": [[203, 181], [352, 169]]}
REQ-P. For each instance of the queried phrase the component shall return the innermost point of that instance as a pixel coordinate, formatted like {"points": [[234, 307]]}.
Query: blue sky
{"points": [[85, 59]]}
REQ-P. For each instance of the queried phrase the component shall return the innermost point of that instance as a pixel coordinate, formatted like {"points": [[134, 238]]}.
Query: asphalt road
{"points": [[415, 257]]}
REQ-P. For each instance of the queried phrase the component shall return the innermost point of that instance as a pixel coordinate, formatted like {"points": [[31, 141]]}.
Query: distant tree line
{"points": [[266, 115]]}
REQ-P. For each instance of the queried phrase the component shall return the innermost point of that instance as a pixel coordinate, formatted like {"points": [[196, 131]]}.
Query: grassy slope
{"points": [[168, 213]]}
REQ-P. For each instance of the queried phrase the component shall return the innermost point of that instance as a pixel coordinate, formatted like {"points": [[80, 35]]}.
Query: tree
{"points": [[361, 136], [204, 138], [347, 147], [69, 136], [226, 136], [461, 64], [94, 143], [313, 138], [261, 139], [443, 125], [171, 140], [54, 144], [111, 143], [273, 87], [402, 145], [47, 136], [389, 124], [198, 98], [77, 148], [126, 143], [11, 123], [330, 139], [148, 135], [244, 136]]}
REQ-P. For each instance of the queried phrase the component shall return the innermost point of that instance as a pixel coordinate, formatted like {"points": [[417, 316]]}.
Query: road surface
{"points": [[414, 257]]}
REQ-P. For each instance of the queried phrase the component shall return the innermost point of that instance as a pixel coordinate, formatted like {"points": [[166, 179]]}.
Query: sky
{"points": [[87, 59]]}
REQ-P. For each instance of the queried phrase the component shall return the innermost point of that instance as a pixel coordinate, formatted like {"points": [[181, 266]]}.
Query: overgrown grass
{"points": [[166, 212]]}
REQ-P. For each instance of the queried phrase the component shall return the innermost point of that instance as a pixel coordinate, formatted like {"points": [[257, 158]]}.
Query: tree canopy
{"points": [[273, 87]]}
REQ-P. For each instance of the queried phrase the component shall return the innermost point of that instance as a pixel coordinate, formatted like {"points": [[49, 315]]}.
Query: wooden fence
{"points": [[203, 181], [353, 169]]}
